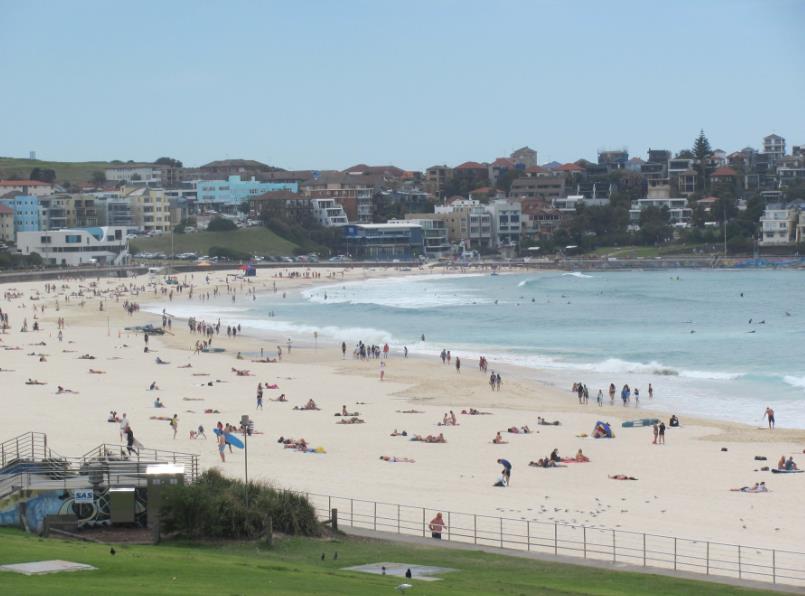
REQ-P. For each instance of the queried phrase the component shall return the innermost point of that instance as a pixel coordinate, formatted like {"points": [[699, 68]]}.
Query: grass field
{"points": [[255, 241], [75, 172], [294, 566], [631, 252]]}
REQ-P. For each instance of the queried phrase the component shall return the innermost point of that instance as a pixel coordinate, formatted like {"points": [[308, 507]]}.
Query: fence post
{"points": [[475, 528], [329, 503], [708, 558], [614, 548], [555, 539], [501, 532], [739, 561], [584, 530], [374, 518], [423, 522], [448, 525], [528, 534], [773, 566], [674, 554], [351, 514], [398, 519], [644, 549]]}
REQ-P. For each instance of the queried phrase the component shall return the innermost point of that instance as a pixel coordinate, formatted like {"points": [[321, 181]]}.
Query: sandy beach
{"points": [[682, 487]]}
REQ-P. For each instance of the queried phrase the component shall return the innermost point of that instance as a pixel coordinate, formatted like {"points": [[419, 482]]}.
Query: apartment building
{"points": [[468, 223], [436, 179], [434, 230], [150, 209], [7, 233], [328, 212], [678, 210], [506, 222], [227, 195], [31, 188], [538, 186], [779, 226], [27, 212], [77, 246]]}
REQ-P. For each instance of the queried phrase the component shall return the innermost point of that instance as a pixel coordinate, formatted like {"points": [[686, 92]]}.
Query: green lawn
{"points": [[255, 241], [294, 566], [75, 172], [649, 252]]}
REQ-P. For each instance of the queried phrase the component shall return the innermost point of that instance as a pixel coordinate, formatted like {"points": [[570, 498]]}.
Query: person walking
{"points": [[437, 526], [130, 441], [497, 382], [458, 364], [661, 437], [656, 430], [259, 396], [770, 415], [174, 423]]}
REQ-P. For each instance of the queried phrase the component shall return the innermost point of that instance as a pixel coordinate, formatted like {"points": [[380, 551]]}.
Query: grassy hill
{"points": [[294, 566], [254, 241], [75, 172]]}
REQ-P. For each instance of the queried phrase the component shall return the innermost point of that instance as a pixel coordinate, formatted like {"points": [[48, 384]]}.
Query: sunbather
{"points": [[391, 458], [498, 440], [622, 477]]}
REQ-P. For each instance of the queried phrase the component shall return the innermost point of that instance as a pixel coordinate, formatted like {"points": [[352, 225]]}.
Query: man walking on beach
{"points": [[661, 440], [259, 396], [507, 470], [769, 414]]}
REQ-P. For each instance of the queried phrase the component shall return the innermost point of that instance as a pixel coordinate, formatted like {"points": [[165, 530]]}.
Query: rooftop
{"points": [[20, 182], [724, 171]]}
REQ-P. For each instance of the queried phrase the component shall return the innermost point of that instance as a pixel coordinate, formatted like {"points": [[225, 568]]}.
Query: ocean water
{"points": [[687, 332]]}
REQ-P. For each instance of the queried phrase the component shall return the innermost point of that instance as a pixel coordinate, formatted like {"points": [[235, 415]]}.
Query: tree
{"points": [[219, 224], [168, 161], [701, 147], [654, 228], [98, 178], [504, 181], [43, 175], [685, 154]]}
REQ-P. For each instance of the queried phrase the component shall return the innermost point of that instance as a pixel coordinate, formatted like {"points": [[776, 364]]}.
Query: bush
{"points": [[219, 224], [215, 507], [223, 252]]}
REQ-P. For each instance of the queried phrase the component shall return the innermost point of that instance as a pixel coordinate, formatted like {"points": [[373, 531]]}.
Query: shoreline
{"points": [[683, 488]]}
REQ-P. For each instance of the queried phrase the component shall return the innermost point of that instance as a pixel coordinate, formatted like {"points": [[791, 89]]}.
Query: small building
{"points": [[282, 204], [525, 157], [27, 212], [569, 203], [678, 210], [538, 185], [778, 226], [434, 230], [147, 174], [7, 224], [384, 242], [77, 246], [328, 212], [31, 188], [506, 222], [774, 145], [227, 195]]}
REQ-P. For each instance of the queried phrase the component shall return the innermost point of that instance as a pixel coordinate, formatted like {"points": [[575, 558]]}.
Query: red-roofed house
{"points": [[570, 168], [6, 224], [34, 188], [499, 167], [723, 173], [471, 166]]}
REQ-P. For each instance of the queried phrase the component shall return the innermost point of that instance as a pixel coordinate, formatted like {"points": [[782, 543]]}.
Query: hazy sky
{"points": [[327, 84]]}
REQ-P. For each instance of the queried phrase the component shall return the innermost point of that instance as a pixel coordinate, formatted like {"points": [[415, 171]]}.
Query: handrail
{"points": [[636, 548]]}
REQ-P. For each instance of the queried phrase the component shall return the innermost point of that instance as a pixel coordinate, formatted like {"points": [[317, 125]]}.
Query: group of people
{"points": [[627, 393]]}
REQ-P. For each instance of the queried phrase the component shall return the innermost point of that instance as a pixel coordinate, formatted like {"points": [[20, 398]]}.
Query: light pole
{"points": [[244, 423]]}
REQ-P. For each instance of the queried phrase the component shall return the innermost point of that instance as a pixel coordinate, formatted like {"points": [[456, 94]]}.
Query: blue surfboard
{"points": [[230, 438]]}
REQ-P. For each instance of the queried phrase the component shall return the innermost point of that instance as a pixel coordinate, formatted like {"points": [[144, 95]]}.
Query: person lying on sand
{"points": [[211, 411], [64, 390], [86, 357], [398, 434], [310, 405], [34, 382], [192, 399], [188, 365], [622, 477], [200, 374], [271, 385], [280, 398], [498, 440], [161, 361], [42, 358], [523, 430], [392, 458], [543, 422], [410, 411], [430, 439], [242, 372], [353, 420], [474, 412], [265, 360], [93, 371], [579, 459], [544, 462], [759, 487]]}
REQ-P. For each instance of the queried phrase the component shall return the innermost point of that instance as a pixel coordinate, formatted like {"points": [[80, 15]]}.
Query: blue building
{"points": [[384, 242], [27, 212], [233, 191]]}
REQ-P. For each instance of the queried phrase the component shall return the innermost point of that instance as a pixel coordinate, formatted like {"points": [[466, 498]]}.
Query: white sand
{"points": [[683, 487]]}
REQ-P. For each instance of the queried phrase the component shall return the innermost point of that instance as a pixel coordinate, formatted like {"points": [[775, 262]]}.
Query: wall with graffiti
{"points": [[36, 505]]}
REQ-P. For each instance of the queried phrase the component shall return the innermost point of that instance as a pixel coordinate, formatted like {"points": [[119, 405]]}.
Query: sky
{"points": [[312, 84]]}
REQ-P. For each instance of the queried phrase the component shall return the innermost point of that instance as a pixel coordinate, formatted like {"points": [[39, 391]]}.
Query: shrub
{"points": [[219, 224], [215, 507], [223, 252]]}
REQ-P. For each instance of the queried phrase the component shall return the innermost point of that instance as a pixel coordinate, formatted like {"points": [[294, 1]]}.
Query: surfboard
{"points": [[230, 438], [776, 471]]}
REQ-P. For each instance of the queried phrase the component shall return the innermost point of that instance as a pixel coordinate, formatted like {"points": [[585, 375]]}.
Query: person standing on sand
{"points": [[130, 441], [382, 370], [770, 415], [636, 397], [124, 424], [174, 423], [650, 391], [458, 364], [405, 351], [600, 397], [497, 382], [661, 439], [343, 350], [656, 430], [436, 526], [259, 396], [222, 447], [612, 394]]}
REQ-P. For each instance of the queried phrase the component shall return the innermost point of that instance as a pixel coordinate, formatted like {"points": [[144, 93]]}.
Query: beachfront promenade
{"points": [[639, 550]]}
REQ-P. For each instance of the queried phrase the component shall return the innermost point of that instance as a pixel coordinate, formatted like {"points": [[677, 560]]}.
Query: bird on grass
{"points": [[403, 587], [112, 551]]}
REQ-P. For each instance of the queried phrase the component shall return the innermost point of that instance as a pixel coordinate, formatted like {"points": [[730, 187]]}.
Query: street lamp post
{"points": [[244, 422]]}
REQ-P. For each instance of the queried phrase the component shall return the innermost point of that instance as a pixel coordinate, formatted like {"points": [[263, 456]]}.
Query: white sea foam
{"points": [[798, 382], [576, 274]]}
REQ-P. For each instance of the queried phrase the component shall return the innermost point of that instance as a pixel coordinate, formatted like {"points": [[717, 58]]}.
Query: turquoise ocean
{"points": [[716, 343]]}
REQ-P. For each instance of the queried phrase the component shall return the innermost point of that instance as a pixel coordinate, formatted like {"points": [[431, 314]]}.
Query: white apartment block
{"points": [[77, 246], [778, 227], [328, 213]]}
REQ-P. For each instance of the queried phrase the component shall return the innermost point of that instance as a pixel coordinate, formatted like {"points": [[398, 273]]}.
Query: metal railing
{"points": [[616, 546], [30, 446], [111, 452]]}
